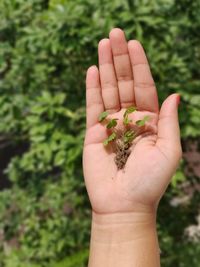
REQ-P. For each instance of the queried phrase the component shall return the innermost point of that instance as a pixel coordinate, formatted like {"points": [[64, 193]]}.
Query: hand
{"points": [[124, 79]]}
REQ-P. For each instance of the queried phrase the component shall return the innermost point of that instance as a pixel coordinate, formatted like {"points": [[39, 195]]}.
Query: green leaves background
{"points": [[45, 49]]}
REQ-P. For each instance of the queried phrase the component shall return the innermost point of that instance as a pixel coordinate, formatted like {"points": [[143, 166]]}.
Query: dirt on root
{"points": [[122, 153]]}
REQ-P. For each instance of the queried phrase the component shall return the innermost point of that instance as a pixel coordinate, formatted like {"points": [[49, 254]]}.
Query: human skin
{"points": [[124, 202]]}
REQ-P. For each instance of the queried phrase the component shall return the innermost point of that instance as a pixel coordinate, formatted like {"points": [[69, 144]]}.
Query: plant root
{"points": [[122, 153]]}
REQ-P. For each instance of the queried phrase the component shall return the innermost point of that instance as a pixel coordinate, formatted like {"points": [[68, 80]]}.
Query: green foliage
{"points": [[128, 136], [79, 259], [142, 122], [110, 138], [126, 120], [45, 48], [111, 124], [103, 115], [179, 176], [128, 111]]}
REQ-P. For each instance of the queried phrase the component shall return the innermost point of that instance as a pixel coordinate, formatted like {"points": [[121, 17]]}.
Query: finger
{"points": [[144, 87], [110, 92], [122, 67], [94, 102], [168, 128]]}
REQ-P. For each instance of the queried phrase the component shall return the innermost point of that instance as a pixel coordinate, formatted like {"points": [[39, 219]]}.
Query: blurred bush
{"points": [[45, 49]]}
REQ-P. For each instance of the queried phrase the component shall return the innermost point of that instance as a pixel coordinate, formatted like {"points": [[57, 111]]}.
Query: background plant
{"points": [[45, 49]]}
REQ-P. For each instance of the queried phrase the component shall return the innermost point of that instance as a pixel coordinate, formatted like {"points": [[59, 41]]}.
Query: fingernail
{"points": [[178, 99]]}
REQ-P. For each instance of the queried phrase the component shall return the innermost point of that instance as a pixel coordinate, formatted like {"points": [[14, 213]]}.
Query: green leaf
{"points": [[142, 122], [178, 177], [126, 120], [112, 123], [109, 139], [102, 116], [60, 158], [129, 133], [129, 110], [77, 259], [112, 137], [105, 142], [129, 136]]}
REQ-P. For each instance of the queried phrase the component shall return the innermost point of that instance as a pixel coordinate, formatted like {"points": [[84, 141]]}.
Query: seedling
{"points": [[122, 140]]}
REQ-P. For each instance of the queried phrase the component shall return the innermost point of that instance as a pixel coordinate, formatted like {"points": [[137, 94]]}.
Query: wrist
{"points": [[122, 227], [124, 239]]}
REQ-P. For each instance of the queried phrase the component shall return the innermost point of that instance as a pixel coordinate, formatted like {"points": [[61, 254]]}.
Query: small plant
{"points": [[122, 139]]}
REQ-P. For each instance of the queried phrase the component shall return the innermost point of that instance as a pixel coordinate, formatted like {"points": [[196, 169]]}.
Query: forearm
{"points": [[124, 240]]}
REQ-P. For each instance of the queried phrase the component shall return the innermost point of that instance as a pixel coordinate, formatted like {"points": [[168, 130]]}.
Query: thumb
{"points": [[168, 127]]}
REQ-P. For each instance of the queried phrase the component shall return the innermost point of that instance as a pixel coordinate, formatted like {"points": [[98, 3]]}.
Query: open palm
{"points": [[124, 79]]}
